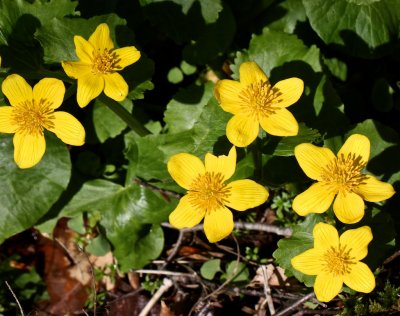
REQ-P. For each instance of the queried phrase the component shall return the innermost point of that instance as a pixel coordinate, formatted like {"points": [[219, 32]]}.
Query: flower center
{"points": [[208, 191], [105, 62], [259, 99], [345, 172], [338, 261], [32, 116]]}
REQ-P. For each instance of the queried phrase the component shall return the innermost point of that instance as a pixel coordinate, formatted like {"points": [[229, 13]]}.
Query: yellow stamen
{"points": [[259, 99], [32, 116], [105, 62], [338, 261], [344, 173], [208, 191]]}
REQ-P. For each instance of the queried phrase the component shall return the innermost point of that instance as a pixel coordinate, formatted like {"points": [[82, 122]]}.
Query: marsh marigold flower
{"points": [[254, 102], [336, 260], [32, 111], [209, 195], [98, 66], [339, 176]]}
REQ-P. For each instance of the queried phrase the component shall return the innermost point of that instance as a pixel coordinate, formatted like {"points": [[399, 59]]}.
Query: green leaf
{"points": [[130, 217], [106, 123], [236, 268], [301, 240], [210, 268], [359, 27], [98, 246], [28, 194], [175, 75], [188, 69]]}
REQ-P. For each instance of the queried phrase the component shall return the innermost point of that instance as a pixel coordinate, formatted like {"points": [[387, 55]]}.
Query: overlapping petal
{"points": [[360, 279], [289, 91], [225, 165], [327, 286], [227, 93], [89, 87], [280, 123], [313, 160], [68, 128], [100, 39], [75, 69], [357, 145], [49, 92], [245, 194], [28, 149], [357, 240], [373, 190], [84, 50], [16, 89], [251, 73], [308, 262], [218, 224], [242, 130], [348, 207], [6, 123], [185, 168], [185, 215], [316, 199], [127, 56], [115, 86]]}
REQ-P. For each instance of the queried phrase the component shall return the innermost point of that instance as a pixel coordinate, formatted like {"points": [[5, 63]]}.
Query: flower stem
{"points": [[118, 109]]}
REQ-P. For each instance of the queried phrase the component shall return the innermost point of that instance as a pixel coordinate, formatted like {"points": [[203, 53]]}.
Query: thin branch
{"points": [[293, 306], [175, 251], [244, 226], [165, 272], [392, 257], [16, 299], [267, 291], [163, 288]]}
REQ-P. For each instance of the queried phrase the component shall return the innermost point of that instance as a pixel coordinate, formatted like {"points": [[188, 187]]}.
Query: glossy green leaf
{"points": [[210, 268], [359, 27], [130, 216], [28, 194]]}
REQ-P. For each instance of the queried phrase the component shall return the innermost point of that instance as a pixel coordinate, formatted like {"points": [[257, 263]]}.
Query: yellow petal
{"points": [[357, 240], [313, 160], [68, 128], [218, 224], [16, 89], [101, 39], [6, 123], [185, 168], [348, 207], [280, 123], [76, 69], [89, 87], [84, 50], [290, 91], [316, 199], [325, 236], [245, 194], [51, 90], [225, 165], [327, 286], [242, 131], [185, 215], [115, 86], [127, 55], [227, 93], [28, 149], [360, 279], [251, 73], [357, 145], [373, 190], [308, 262]]}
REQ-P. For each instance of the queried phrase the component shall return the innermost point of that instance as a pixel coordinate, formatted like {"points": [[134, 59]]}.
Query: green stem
{"points": [[118, 109], [70, 91]]}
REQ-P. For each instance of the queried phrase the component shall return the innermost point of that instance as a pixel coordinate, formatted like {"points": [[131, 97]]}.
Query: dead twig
{"points": [[16, 299], [293, 306], [175, 251], [267, 291], [167, 283]]}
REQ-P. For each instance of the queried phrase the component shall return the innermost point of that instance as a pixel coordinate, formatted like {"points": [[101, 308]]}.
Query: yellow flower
{"points": [[341, 176], [209, 195], [98, 64], [253, 102], [32, 111], [336, 260]]}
